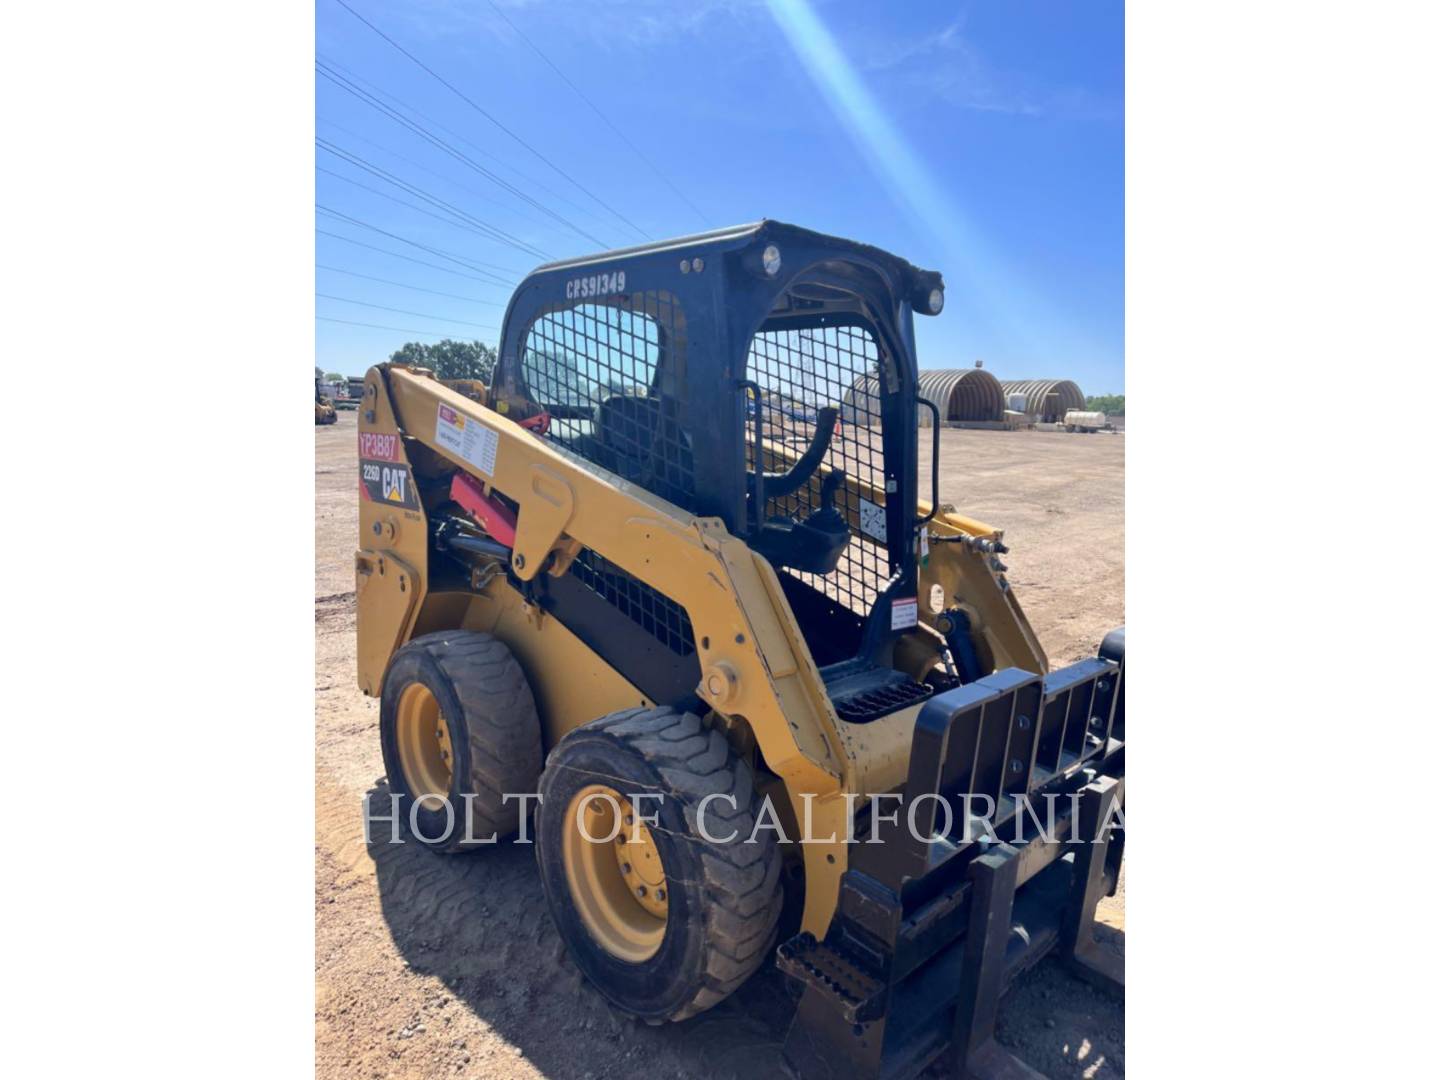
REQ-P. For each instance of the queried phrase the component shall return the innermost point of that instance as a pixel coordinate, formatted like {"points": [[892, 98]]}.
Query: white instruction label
{"points": [[904, 613], [467, 438], [872, 521]]}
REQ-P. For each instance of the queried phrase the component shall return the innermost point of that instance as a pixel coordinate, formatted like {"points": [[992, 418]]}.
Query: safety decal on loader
{"points": [[388, 484], [467, 438]]}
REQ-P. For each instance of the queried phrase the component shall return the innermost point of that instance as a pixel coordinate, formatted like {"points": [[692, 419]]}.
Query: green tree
{"points": [[1109, 404], [334, 376], [450, 359]]}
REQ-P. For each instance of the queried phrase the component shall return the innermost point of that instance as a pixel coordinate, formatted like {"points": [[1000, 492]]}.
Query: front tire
{"points": [[458, 725], [664, 921]]}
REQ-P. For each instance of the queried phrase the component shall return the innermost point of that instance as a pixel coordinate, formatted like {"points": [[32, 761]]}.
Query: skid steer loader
{"points": [[675, 575]]}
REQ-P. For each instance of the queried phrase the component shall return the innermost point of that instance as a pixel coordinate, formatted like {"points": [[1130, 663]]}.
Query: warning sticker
{"points": [[872, 521], [388, 484], [377, 446], [904, 613], [467, 438]]}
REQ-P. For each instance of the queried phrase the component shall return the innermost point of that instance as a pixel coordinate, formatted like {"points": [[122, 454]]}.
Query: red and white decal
{"points": [[377, 446]]}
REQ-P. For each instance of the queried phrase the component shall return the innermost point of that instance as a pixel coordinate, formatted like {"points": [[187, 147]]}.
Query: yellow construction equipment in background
{"points": [[324, 407]]}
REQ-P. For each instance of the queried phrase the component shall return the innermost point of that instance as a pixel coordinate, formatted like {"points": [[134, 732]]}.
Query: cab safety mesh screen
{"points": [[651, 610], [799, 373], [610, 374]]}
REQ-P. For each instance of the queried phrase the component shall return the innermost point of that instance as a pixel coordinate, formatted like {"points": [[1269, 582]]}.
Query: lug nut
{"points": [[625, 868], [640, 891], [659, 894]]}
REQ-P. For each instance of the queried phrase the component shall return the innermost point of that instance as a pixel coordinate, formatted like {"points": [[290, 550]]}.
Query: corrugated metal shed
{"points": [[962, 394], [862, 401], [1038, 400]]}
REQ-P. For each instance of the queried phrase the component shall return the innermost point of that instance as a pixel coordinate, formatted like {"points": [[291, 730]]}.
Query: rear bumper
{"points": [[927, 936]]}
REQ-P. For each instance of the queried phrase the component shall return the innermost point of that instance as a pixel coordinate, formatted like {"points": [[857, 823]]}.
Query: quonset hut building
{"points": [[967, 395], [1047, 400]]}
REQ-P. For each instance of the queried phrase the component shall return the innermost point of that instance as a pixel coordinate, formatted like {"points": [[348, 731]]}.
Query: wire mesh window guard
{"points": [[652, 611], [800, 372], [607, 373]]}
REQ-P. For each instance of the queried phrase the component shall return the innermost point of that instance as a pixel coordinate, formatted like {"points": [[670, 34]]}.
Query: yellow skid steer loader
{"points": [[674, 575]]}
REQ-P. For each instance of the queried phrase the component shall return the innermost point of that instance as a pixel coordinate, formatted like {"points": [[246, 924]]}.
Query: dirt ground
{"points": [[427, 966]]}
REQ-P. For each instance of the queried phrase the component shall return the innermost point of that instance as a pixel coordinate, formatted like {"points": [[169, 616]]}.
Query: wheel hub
{"points": [[423, 738], [615, 873]]}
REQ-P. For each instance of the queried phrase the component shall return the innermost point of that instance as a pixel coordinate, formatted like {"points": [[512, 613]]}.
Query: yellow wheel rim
{"points": [[615, 874], [423, 737]]}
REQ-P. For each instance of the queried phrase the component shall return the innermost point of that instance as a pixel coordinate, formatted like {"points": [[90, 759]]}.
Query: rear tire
{"points": [[458, 720], [724, 896]]}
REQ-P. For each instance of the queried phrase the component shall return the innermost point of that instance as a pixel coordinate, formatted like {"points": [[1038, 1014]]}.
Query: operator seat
{"points": [[641, 439]]}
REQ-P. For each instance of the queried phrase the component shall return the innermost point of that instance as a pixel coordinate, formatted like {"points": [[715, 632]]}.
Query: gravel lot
{"points": [[436, 967]]}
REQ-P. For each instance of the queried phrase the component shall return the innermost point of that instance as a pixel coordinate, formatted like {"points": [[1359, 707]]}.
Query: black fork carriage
{"points": [[1017, 781]]}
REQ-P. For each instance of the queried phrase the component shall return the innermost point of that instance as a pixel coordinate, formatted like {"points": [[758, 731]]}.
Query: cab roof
{"points": [[905, 275]]}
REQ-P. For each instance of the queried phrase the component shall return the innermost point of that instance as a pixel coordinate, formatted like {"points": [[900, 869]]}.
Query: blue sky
{"points": [[984, 140]]}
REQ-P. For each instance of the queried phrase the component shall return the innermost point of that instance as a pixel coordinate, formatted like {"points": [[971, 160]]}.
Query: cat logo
{"points": [[392, 483]]}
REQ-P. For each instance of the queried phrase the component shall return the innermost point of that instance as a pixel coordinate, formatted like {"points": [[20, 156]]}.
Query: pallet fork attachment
{"points": [[928, 936]]}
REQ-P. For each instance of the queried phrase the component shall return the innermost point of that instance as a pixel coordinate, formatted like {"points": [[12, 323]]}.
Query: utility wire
{"points": [[435, 140], [402, 285], [472, 192], [596, 110], [377, 326], [402, 202], [438, 78], [450, 255], [397, 255], [402, 311], [381, 92], [484, 228]]}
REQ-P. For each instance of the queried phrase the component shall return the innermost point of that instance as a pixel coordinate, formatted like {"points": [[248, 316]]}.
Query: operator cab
{"points": [[764, 375]]}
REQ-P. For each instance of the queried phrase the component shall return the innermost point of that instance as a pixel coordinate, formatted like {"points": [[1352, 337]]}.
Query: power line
{"points": [[402, 202], [472, 192], [596, 110], [413, 243], [381, 92], [478, 225], [377, 326], [402, 285], [407, 258], [402, 311], [438, 78], [435, 140]]}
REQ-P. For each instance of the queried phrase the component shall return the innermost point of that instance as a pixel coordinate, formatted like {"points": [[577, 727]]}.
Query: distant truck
{"points": [[1079, 420]]}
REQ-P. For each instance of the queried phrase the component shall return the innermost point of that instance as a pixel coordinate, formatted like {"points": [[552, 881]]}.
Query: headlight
{"points": [[936, 301], [770, 260]]}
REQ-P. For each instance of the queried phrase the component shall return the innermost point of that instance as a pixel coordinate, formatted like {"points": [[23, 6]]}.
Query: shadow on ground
{"points": [[480, 925]]}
